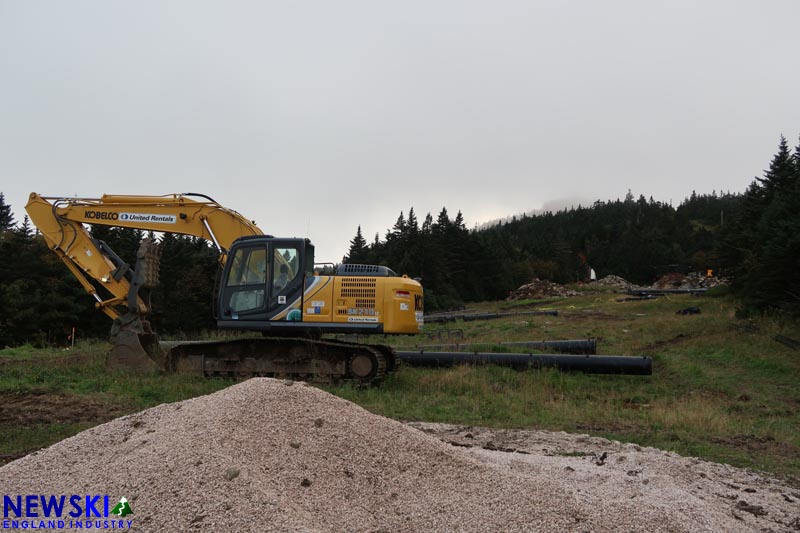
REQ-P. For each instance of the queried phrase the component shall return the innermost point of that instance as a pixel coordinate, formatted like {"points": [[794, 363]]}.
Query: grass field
{"points": [[722, 388]]}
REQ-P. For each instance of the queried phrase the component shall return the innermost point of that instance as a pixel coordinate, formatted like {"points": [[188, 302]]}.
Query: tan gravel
{"points": [[266, 455]]}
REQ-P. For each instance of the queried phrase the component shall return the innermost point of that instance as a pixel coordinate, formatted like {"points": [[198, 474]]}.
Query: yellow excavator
{"points": [[267, 285]]}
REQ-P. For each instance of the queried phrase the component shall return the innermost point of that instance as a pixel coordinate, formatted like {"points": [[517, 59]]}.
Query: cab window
{"points": [[285, 266], [249, 272]]}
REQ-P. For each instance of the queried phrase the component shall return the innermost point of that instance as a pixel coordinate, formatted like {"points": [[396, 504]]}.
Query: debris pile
{"points": [[540, 288], [694, 280], [616, 282], [270, 455], [673, 280]]}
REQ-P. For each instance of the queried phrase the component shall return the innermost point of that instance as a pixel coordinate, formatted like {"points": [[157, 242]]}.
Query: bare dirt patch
{"points": [[32, 409], [755, 445]]}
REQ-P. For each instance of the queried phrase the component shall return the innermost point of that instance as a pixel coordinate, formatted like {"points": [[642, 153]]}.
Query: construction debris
{"points": [[540, 288], [694, 280], [674, 283], [616, 282]]}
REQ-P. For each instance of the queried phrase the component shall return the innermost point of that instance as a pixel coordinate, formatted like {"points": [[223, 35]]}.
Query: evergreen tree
{"points": [[781, 174], [427, 224], [399, 228], [459, 221], [442, 222], [25, 230], [358, 253], [6, 216], [412, 227], [762, 246]]}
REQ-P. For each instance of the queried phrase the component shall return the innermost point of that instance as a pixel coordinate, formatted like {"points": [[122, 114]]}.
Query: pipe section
{"points": [[591, 364], [432, 319]]}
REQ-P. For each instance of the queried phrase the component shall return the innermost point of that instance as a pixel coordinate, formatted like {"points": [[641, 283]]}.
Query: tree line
{"points": [[751, 237], [637, 239]]}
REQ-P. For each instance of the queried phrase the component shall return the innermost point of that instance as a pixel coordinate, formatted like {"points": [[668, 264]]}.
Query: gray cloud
{"points": [[315, 117]]}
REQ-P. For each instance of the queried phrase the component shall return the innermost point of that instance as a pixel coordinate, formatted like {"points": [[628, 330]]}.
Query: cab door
{"points": [[245, 294], [285, 276]]}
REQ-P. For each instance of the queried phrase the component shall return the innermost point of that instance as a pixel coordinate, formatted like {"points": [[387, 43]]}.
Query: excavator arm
{"points": [[61, 222], [120, 291]]}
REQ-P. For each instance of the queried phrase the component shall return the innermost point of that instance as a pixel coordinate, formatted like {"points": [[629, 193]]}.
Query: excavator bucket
{"points": [[128, 353], [135, 347]]}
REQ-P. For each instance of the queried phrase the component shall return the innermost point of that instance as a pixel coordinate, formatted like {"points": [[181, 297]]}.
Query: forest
{"points": [[751, 237]]}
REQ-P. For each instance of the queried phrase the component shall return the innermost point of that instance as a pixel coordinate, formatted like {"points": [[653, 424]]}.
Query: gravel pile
{"points": [[266, 455], [601, 472], [539, 288]]}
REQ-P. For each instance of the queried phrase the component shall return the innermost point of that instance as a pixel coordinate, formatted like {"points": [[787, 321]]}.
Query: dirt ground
{"points": [[32, 409]]}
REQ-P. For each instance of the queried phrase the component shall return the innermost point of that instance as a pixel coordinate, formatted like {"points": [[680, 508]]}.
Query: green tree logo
{"points": [[123, 508]]}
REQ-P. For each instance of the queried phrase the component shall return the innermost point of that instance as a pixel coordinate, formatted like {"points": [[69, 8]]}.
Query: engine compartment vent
{"points": [[353, 269], [363, 288]]}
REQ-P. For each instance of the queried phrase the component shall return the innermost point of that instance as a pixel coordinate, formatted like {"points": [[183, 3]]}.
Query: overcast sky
{"points": [[314, 117]]}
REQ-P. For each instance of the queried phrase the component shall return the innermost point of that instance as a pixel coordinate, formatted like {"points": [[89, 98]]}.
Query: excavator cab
{"points": [[263, 277], [270, 285]]}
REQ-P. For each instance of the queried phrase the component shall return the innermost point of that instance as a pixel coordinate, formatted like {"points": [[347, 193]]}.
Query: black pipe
{"points": [[578, 346], [645, 292], [431, 319], [591, 364]]}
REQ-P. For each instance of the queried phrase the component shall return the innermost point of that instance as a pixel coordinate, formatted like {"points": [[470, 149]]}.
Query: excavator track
{"points": [[319, 361]]}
